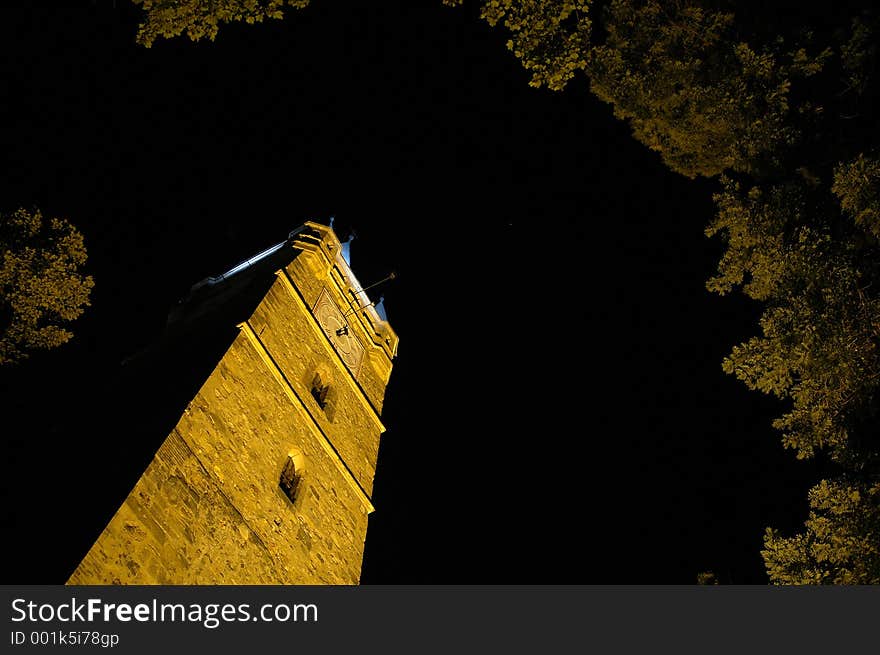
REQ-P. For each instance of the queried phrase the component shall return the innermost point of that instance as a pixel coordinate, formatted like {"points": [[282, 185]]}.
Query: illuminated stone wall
{"points": [[209, 508]]}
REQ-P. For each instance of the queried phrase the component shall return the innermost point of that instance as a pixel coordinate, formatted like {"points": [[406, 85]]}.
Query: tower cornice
{"points": [[322, 241]]}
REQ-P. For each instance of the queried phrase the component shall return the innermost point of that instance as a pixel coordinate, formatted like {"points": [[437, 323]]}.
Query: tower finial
{"points": [[332, 218], [346, 246]]}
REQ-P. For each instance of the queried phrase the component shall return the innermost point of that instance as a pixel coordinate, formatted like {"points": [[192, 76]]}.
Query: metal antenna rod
{"points": [[392, 275]]}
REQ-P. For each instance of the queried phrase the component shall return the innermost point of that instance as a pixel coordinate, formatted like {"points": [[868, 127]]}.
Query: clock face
{"points": [[339, 332]]}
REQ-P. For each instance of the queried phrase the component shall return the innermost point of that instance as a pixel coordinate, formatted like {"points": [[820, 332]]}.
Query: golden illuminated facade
{"points": [[266, 477]]}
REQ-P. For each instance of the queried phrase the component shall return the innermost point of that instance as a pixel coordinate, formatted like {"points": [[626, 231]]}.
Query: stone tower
{"points": [[267, 474]]}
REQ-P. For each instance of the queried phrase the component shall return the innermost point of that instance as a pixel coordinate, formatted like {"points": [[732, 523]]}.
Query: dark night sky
{"points": [[557, 412]]}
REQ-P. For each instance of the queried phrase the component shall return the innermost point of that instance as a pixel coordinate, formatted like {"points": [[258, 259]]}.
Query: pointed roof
{"points": [[380, 309], [346, 249]]}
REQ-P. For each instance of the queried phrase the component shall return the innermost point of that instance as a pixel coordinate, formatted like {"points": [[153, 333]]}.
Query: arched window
{"points": [[320, 385], [291, 474]]}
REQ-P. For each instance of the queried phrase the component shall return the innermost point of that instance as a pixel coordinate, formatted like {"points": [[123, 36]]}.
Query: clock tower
{"points": [[265, 474]]}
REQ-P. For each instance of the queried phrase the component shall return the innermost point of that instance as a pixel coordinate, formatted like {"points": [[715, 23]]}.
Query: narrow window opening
{"points": [[290, 478], [320, 390]]}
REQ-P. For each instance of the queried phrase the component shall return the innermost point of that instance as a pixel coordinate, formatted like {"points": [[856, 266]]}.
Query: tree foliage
{"points": [[858, 54], [693, 91], [707, 578], [857, 184], [200, 19], [818, 345], [42, 285], [550, 37], [840, 544]]}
